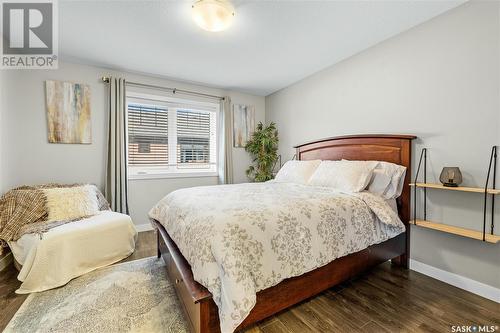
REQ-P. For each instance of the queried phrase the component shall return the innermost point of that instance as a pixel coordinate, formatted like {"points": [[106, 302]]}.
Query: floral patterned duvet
{"points": [[240, 239]]}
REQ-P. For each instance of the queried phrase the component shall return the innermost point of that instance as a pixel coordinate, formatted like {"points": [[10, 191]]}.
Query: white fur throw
{"points": [[71, 203]]}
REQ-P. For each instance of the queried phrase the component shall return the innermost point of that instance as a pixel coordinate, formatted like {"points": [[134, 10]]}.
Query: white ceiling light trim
{"points": [[213, 15]]}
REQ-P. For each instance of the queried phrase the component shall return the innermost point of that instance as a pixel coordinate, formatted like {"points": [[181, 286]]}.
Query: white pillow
{"points": [[348, 176], [388, 179], [379, 183], [298, 172], [397, 183], [397, 173], [71, 203]]}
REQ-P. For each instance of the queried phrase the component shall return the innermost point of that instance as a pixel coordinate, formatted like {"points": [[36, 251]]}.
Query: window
{"points": [[169, 137], [147, 135]]}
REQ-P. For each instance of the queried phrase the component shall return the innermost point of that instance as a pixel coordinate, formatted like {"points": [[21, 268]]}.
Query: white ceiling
{"points": [[270, 45]]}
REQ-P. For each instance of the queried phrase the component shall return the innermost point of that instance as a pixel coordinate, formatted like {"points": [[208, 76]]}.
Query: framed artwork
{"points": [[68, 112], [243, 124]]}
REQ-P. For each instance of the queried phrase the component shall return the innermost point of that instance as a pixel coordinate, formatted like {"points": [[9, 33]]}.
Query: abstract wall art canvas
{"points": [[243, 124], [68, 112]]}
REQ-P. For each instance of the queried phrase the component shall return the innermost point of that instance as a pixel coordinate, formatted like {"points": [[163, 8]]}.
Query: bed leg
{"points": [[405, 257], [158, 252], [403, 261]]}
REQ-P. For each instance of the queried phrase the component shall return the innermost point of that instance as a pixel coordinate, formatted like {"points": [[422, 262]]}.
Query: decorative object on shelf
{"points": [[451, 176], [68, 112], [263, 146], [243, 124], [486, 191]]}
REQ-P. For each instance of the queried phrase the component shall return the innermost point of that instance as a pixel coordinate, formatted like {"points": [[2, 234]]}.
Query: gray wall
{"points": [[31, 159], [439, 81]]}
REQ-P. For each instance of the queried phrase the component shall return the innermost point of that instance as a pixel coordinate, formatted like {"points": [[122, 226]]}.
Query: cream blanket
{"points": [[55, 257], [23, 210], [240, 239]]}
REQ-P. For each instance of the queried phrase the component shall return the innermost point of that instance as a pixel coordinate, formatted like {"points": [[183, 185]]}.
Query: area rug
{"points": [[129, 297]]}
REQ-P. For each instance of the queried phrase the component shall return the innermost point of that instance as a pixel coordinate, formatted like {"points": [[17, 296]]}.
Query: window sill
{"points": [[172, 175]]}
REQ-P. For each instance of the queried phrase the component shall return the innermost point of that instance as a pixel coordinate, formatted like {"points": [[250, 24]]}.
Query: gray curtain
{"points": [[116, 189], [226, 142]]}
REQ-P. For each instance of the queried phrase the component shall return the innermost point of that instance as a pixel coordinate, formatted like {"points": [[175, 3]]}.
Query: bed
{"points": [[277, 293]]}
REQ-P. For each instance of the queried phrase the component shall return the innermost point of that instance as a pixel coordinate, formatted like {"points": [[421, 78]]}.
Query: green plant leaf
{"points": [[263, 147]]}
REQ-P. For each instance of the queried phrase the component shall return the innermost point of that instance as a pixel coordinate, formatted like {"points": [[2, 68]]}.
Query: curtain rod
{"points": [[106, 79]]}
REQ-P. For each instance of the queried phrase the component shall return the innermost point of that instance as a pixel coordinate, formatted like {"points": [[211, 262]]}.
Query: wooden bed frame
{"points": [[200, 309]]}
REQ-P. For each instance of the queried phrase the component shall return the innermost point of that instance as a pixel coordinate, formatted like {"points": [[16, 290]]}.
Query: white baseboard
{"points": [[144, 227], [456, 280], [6, 261]]}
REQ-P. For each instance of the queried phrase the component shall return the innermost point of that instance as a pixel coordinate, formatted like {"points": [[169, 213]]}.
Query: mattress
{"points": [[240, 239], [53, 258]]}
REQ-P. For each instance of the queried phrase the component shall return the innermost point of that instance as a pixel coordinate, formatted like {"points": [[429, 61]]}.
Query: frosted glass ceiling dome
{"points": [[213, 15]]}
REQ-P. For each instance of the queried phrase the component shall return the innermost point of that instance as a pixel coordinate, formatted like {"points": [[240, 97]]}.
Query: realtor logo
{"points": [[29, 34]]}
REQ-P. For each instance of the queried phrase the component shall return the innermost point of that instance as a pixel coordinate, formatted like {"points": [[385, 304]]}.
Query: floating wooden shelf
{"points": [[488, 193], [457, 231], [460, 188]]}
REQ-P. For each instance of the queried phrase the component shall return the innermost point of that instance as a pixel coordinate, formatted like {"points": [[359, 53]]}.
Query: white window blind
{"points": [[147, 135], [171, 138], [195, 139]]}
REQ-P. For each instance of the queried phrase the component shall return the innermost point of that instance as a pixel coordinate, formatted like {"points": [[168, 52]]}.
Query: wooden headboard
{"points": [[367, 147]]}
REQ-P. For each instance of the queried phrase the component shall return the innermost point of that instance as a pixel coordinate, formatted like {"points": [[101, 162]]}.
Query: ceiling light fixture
{"points": [[213, 15]]}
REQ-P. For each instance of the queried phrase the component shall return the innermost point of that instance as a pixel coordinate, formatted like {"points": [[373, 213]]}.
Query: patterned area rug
{"points": [[130, 297]]}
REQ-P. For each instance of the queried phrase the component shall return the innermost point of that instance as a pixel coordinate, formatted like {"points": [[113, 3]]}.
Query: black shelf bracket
{"points": [[493, 163], [423, 156]]}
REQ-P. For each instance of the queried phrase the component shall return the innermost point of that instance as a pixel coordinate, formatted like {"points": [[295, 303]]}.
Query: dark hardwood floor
{"points": [[9, 300], [387, 299], [145, 246]]}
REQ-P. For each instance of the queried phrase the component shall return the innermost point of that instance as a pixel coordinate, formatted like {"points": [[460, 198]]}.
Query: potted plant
{"points": [[263, 147]]}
